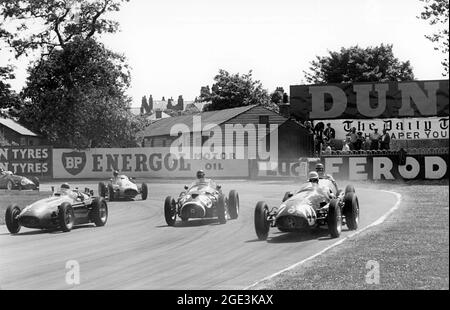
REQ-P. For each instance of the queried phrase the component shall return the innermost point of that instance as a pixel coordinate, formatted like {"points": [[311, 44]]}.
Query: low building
{"points": [[14, 134], [294, 141]]}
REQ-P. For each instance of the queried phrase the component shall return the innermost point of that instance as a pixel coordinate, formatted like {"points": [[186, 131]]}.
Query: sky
{"points": [[176, 46]]}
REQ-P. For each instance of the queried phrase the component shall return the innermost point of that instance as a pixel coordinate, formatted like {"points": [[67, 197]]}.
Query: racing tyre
{"points": [[110, 192], [102, 189], [66, 218], [12, 223], [262, 225], [99, 213], [233, 204], [170, 211], [35, 180], [144, 191], [221, 212], [287, 195], [334, 219], [9, 185], [349, 188], [351, 210]]}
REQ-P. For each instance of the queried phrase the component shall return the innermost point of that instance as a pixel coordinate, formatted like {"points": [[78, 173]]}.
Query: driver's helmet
{"points": [[200, 174], [320, 170], [115, 173], [313, 177], [2, 170], [65, 187]]}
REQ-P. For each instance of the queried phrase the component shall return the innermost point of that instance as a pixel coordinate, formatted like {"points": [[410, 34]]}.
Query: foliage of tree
{"points": [[356, 64], [277, 96], [235, 90], [436, 13], [47, 24], [76, 98], [8, 97], [205, 94]]}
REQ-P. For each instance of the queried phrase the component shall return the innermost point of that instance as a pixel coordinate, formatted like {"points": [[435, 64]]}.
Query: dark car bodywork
{"points": [[202, 200], [10, 181], [311, 206]]}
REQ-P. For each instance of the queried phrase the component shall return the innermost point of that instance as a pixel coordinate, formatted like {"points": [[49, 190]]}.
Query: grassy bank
{"points": [[411, 248]]}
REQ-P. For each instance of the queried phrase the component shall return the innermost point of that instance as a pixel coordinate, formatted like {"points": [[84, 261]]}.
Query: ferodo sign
{"points": [[29, 161], [425, 167], [139, 162]]}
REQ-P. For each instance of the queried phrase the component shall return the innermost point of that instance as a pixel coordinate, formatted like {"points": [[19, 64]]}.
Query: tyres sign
{"points": [[27, 161]]}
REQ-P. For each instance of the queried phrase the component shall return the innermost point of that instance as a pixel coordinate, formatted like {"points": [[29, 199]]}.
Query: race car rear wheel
{"points": [[221, 211], [12, 223], [144, 191], [35, 180], [66, 217], [99, 212], [351, 210], [102, 189], [287, 195], [262, 225], [233, 204], [170, 210], [349, 188], [110, 192], [334, 219]]}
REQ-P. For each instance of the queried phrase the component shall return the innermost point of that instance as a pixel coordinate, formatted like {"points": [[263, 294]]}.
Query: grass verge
{"points": [[21, 198], [411, 248]]}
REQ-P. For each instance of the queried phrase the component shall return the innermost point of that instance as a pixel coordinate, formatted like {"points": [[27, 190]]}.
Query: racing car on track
{"points": [[202, 200], [312, 206], [122, 187], [10, 181], [63, 210]]}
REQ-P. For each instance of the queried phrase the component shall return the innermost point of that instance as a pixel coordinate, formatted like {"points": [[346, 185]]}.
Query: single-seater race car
{"points": [[202, 200], [63, 210], [312, 206], [122, 187], [10, 181]]}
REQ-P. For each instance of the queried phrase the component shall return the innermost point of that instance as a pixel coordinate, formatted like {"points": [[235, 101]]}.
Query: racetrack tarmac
{"points": [[137, 250]]}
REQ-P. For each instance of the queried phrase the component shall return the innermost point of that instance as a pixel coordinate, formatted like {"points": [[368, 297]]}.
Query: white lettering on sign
{"points": [[356, 166], [382, 166], [432, 162]]}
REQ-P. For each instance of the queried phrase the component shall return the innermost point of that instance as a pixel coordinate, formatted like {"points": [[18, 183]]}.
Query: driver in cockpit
{"points": [[65, 190]]}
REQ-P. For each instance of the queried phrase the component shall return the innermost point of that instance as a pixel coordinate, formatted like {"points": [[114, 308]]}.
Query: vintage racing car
{"points": [[202, 200], [312, 206], [62, 210], [10, 181], [122, 188]]}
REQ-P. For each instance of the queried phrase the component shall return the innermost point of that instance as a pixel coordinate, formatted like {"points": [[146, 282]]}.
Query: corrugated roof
{"points": [[163, 126], [16, 127]]}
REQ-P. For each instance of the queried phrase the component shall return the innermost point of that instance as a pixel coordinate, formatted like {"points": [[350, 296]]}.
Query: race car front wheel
{"points": [[334, 219], [66, 217], [170, 211], [110, 192], [221, 211], [144, 191], [233, 204], [262, 225], [12, 223], [351, 210], [99, 213]]}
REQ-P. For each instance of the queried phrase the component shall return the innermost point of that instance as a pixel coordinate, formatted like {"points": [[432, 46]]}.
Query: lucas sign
{"points": [[370, 100]]}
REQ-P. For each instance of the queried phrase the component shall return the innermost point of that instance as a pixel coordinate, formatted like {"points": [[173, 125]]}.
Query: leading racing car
{"points": [[202, 199], [122, 187], [315, 204], [63, 210]]}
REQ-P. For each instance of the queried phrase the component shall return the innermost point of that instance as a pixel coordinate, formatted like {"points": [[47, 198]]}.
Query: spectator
{"points": [[353, 138], [366, 145], [374, 139], [309, 127], [359, 141], [346, 147], [329, 133], [327, 150], [385, 141]]}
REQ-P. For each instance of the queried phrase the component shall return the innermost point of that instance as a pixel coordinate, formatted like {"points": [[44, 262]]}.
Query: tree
{"points": [[436, 13], [277, 96], [76, 98], [356, 64], [234, 90], [205, 94], [8, 97], [58, 22]]}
